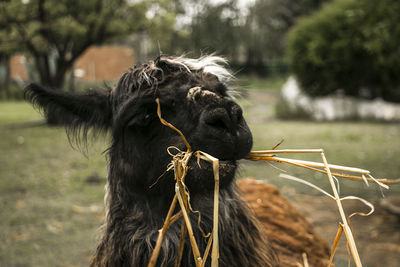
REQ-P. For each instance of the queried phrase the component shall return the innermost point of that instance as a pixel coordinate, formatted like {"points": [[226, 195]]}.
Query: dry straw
{"points": [[179, 164], [324, 167]]}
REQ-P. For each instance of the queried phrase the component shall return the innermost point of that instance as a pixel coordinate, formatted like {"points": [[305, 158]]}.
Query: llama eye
{"points": [[141, 120]]}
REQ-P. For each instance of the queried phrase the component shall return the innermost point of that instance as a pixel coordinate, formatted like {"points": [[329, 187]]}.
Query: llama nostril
{"points": [[217, 124], [239, 117], [237, 114], [218, 119]]}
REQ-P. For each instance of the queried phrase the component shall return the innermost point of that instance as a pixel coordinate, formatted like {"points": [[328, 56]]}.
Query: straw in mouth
{"points": [[180, 166]]}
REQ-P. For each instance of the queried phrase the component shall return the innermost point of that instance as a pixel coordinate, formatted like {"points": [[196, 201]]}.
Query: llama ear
{"points": [[85, 110]]}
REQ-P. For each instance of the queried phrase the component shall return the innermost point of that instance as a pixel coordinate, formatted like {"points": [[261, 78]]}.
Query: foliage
{"points": [[350, 45], [216, 29], [161, 28], [199, 27], [250, 36], [56, 33]]}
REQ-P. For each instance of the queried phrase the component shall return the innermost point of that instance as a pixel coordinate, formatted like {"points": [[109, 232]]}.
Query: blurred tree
{"points": [[4, 75], [57, 32], [351, 45], [162, 28], [215, 28], [250, 34], [198, 26], [8, 46], [5, 54], [267, 24]]}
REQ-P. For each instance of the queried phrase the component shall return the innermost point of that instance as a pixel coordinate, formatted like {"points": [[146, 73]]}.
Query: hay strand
{"points": [[171, 126], [181, 245], [335, 244], [267, 155], [290, 177], [161, 234], [275, 151], [346, 228], [180, 166], [207, 251], [215, 247], [193, 243], [305, 259]]}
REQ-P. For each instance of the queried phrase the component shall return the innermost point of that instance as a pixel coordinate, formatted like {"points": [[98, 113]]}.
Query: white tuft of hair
{"points": [[209, 64]]}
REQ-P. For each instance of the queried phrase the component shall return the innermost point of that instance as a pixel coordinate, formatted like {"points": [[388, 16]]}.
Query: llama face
{"points": [[194, 101]]}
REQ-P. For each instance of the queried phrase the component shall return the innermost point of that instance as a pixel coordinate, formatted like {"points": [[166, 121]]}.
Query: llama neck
{"points": [[135, 214], [122, 201], [137, 226]]}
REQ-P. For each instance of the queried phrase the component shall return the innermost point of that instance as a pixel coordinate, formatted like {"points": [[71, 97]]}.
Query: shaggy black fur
{"points": [[195, 99]]}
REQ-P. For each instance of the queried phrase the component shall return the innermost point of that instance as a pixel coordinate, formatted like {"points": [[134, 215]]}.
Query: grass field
{"points": [[50, 212]]}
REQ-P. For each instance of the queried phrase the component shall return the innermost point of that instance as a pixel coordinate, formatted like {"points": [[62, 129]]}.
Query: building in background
{"points": [[97, 64]]}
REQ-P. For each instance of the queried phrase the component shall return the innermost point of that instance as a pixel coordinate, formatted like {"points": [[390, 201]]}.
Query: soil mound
{"points": [[289, 231]]}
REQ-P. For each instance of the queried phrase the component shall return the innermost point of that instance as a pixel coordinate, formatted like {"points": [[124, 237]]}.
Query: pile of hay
{"points": [[290, 233]]}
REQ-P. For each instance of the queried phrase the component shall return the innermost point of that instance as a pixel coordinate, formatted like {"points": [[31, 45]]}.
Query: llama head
{"points": [[194, 97]]}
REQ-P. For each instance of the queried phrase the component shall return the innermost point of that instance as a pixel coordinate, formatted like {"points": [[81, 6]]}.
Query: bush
{"points": [[352, 45]]}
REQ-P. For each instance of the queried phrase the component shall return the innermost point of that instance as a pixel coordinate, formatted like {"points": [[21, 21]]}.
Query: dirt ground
{"points": [[377, 236]]}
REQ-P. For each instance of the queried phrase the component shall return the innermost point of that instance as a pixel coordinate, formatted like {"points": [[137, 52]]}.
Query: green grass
{"points": [[14, 112], [42, 178], [371, 146]]}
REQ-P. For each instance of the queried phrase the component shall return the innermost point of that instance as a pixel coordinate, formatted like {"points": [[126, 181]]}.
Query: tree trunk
{"points": [[43, 67], [51, 79], [7, 77], [71, 82], [59, 76]]}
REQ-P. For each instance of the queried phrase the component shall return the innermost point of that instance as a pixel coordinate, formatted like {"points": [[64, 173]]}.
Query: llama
{"points": [[195, 97]]}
